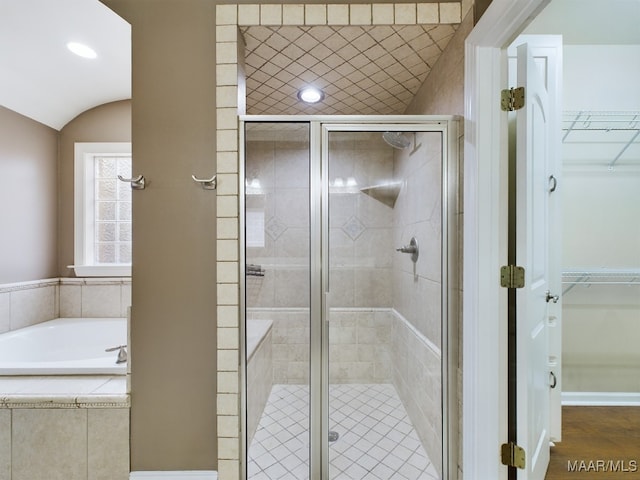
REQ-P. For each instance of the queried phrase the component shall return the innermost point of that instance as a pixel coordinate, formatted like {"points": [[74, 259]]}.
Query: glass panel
{"points": [[112, 210], [385, 395], [277, 288]]}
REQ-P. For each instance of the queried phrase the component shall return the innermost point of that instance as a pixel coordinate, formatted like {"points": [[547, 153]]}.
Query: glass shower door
{"points": [[277, 299], [383, 307], [345, 291]]}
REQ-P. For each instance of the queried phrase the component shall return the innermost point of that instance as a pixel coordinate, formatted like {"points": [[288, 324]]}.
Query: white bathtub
{"points": [[64, 346]]}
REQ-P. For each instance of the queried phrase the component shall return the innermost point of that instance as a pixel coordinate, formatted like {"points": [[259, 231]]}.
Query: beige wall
{"points": [[110, 122], [28, 176], [173, 322]]}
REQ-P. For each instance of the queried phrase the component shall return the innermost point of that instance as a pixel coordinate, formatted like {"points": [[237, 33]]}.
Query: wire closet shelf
{"points": [[620, 129], [571, 278]]}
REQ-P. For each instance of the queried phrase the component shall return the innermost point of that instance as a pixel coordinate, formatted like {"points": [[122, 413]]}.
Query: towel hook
{"points": [[137, 183], [206, 183]]}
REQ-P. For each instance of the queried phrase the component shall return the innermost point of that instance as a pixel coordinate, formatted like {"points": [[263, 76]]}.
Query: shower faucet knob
{"points": [[411, 249]]}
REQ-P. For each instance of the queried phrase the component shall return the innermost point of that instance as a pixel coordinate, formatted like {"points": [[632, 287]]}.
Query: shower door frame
{"points": [[319, 128]]}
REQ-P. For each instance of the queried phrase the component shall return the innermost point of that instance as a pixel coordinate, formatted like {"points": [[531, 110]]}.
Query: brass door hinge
{"points": [[512, 99], [513, 455], [512, 276]]}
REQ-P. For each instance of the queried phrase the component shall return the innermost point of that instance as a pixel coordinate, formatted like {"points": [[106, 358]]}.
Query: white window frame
{"points": [[84, 215]]}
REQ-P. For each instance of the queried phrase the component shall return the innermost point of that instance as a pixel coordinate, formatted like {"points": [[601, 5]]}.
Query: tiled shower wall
{"points": [[360, 342], [360, 235], [281, 201], [417, 288], [361, 246], [417, 213], [28, 303]]}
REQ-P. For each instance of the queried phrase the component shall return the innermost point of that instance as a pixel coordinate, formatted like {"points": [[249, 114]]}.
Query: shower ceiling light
{"points": [[82, 50], [310, 95]]}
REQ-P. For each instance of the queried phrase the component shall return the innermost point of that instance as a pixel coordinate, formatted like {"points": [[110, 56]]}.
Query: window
{"points": [[102, 210]]}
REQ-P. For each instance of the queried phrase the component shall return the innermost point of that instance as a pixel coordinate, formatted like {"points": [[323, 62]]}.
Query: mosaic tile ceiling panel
{"points": [[363, 70]]}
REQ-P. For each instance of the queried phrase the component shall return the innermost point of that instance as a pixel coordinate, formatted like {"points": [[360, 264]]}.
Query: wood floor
{"points": [[596, 440]]}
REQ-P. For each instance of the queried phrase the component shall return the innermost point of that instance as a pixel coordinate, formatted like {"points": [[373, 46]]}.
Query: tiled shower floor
{"points": [[377, 440]]}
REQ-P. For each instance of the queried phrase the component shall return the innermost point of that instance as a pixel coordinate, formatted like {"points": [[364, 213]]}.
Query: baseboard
{"points": [[617, 399], [186, 475]]}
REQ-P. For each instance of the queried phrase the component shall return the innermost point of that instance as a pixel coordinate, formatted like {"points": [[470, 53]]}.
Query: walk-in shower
{"points": [[349, 349]]}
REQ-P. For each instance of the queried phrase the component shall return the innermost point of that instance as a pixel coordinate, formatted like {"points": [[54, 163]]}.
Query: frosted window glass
{"points": [[112, 233]]}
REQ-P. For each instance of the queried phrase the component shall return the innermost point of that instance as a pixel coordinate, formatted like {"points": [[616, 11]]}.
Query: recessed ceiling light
{"points": [[310, 95], [82, 50]]}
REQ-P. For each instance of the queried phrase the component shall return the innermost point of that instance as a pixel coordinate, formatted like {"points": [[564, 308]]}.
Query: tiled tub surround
{"points": [[28, 303], [61, 428]]}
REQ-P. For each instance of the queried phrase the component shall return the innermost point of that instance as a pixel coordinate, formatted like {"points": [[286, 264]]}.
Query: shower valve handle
{"points": [[411, 249]]}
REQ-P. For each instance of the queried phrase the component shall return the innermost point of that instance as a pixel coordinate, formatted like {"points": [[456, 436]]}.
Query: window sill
{"points": [[102, 270]]}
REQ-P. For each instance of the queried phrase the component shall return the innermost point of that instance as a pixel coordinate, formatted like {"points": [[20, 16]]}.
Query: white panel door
{"points": [[532, 252]]}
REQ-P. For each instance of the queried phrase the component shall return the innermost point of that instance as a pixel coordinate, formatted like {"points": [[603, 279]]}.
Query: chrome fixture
{"points": [[206, 183], [396, 140], [255, 270], [137, 183], [411, 249], [333, 436], [122, 353]]}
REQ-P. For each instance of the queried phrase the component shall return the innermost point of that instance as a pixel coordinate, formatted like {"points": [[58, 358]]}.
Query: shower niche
{"points": [[349, 345]]}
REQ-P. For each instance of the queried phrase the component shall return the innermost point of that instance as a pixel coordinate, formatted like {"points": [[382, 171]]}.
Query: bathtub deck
{"points": [[62, 385]]}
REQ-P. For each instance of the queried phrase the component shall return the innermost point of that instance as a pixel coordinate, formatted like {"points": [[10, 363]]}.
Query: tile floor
{"points": [[377, 440]]}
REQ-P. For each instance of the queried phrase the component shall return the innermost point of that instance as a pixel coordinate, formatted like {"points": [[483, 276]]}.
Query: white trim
{"points": [[609, 399], [83, 220], [485, 221], [115, 270], [178, 475]]}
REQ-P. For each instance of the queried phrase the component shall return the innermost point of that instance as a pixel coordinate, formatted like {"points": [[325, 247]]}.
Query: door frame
{"points": [[485, 236], [320, 125]]}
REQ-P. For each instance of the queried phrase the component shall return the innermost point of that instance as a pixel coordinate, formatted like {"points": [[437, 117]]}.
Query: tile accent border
{"points": [[230, 99], [65, 401]]}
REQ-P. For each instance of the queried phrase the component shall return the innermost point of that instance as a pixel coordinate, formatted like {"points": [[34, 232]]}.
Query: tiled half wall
{"points": [[28, 303]]}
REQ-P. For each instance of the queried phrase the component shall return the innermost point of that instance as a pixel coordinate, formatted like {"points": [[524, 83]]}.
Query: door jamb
{"points": [[485, 236]]}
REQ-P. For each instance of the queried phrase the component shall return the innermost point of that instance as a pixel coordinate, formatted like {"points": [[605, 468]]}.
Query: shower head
{"points": [[396, 140]]}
